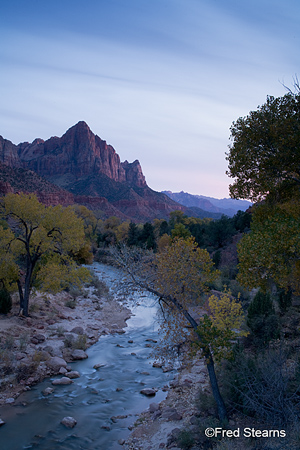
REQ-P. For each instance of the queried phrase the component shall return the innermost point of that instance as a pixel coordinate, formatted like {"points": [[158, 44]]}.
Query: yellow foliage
{"points": [[34, 235], [8, 268], [184, 270], [59, 274], [222, 326], [226, 312], [163, 242], [121, 231]]}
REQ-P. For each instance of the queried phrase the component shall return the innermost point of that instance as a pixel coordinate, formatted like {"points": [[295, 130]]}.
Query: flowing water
{"points": [[105, 402]]}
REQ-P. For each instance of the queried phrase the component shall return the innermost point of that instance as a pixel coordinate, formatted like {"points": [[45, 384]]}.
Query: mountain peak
{"points": [[79, 129], [81, 125]]}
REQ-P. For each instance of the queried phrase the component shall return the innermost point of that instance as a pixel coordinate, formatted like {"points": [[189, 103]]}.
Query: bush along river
{"points": [[105, 401]]}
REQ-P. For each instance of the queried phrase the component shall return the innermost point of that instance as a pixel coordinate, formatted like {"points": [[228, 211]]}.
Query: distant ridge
{"points": [[226, 206]]}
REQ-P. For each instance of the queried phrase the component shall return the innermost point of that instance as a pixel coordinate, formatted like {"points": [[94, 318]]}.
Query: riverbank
{"points": [[177, 418], [58, 330]]}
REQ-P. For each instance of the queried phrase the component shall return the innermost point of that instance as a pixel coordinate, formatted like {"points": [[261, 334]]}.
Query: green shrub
{"points": [[71, 303], [25, 371], [60, 331], [79, 343], [261, 305], [206, 403], [185, 440], [74, 291], [260, 386], [69, 341], [23, 341], [262, 320], [285, 300], [9, 342], [5, 301], [100, 287]]}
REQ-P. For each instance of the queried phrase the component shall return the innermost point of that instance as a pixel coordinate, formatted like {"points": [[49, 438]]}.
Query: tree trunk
{"points": [[27, 288], [26, 300], [21, 296], [222, 413]]}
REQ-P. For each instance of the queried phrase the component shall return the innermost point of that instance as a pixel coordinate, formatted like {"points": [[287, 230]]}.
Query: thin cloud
{"points": [[161, 81]]}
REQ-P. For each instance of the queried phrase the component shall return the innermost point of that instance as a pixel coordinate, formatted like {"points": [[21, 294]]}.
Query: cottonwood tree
{"points": [[264, 159], [270, 254], [37, 246], [178, 276], [264, 156]]}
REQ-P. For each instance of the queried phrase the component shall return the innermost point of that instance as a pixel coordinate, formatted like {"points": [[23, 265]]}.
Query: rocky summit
{"points": [[80, 167]]}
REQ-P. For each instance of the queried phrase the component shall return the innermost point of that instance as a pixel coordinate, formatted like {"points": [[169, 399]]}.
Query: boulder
{"points": [[69, 422], [153, 407], [78, 354], [156, 414], [148, 392], [98, 366], [37, 339], [77, 330], [157, 364], [48, 391], [73, 374], [55, 363], [20, 355], [173, 437], [105, 331], [62, 381], [171, 414]]}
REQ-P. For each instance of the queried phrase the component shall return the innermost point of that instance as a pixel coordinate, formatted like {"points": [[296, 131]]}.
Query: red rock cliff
{"points": [[78, 152]]}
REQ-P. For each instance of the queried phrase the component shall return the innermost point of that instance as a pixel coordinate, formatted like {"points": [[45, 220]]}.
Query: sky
{"points": [[160, 80]]}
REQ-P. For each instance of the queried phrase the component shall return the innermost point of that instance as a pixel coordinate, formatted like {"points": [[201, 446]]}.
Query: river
{"points": [[104, 401]]}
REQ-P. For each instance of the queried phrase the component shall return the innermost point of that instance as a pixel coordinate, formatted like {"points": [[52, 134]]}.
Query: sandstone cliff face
{"points": [[84, 169], [9, 153], [133, 174], [78, 152]]}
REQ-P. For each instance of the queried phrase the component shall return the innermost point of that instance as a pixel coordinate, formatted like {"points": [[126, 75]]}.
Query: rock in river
{"points": [[79, 354], [63, 380], [69, 422], [148, 391], [73, 374], [48, 391]]}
